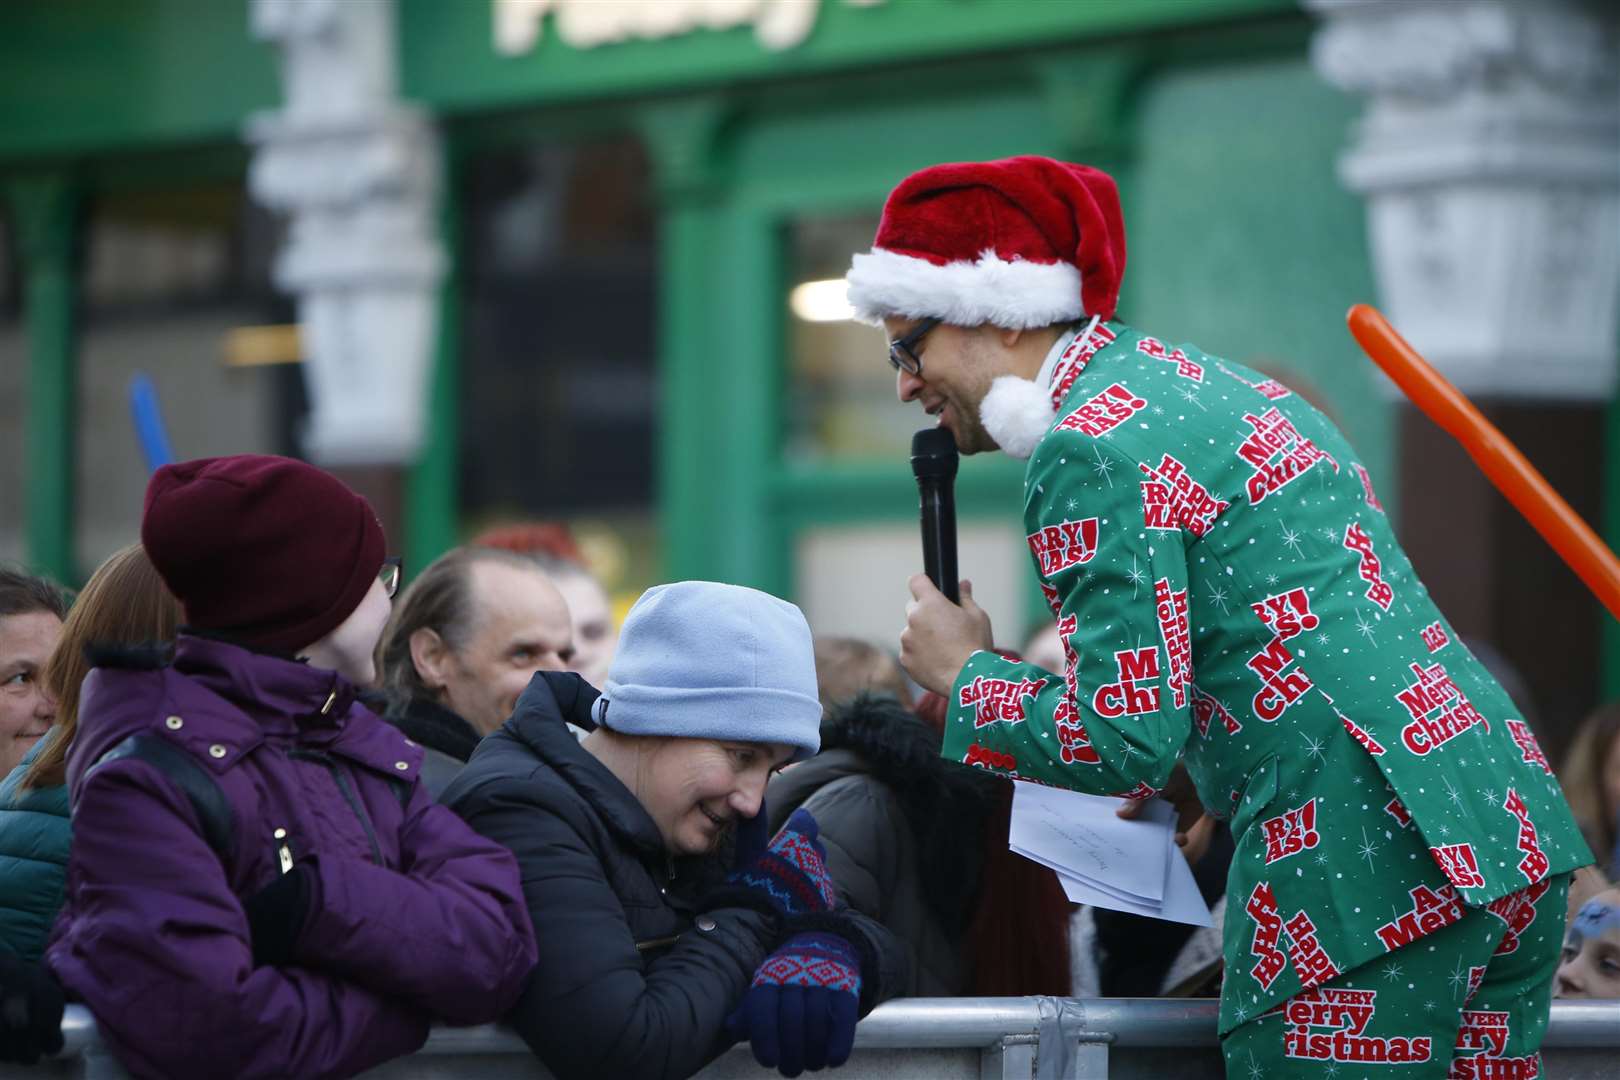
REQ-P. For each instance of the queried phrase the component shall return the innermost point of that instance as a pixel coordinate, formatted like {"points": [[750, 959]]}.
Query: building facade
{"points": [[586, 263]]}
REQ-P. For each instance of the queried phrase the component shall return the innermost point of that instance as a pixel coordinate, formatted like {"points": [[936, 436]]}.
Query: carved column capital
{"points": [[1434, 51], [357, 173], [1489, 158]]}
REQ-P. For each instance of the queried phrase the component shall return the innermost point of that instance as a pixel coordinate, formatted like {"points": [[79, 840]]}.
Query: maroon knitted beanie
{"points": [[268, 550]]}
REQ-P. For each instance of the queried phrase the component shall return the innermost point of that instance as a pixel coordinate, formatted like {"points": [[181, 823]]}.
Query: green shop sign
{"points": [[585, 24], [467, 56]]}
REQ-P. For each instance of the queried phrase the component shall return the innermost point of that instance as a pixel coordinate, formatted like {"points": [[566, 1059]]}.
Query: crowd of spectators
{"points": [[279, 861], [310, 818]]}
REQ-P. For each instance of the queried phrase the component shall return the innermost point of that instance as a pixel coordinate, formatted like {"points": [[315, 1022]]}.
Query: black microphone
{"points": [[933, 460]]}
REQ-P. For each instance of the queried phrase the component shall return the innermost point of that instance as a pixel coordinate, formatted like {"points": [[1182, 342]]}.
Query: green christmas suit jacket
{"points": [[1229, 591]]}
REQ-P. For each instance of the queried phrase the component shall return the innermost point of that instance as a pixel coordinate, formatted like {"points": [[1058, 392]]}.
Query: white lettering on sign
{"points": [[585, 24]]}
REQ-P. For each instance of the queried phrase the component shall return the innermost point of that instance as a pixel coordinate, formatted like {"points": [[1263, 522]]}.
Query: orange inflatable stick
{"points": [[1496, 457]]}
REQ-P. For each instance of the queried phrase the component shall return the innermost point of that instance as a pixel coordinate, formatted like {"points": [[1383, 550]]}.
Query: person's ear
{"points": [[1009, 338], [431, 657]]}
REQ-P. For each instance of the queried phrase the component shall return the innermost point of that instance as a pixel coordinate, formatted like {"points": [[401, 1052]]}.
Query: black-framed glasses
{"points": [[392, 568], [903, 353]]}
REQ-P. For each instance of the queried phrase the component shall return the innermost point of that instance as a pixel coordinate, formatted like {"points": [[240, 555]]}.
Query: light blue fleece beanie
{"points": [[702, 660]]}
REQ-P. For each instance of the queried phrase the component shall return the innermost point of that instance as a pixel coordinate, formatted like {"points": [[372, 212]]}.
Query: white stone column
{"points": [[1489, 158], [357, 173]]}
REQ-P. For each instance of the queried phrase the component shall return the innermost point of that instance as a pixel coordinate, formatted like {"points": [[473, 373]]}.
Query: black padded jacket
{"points": [[636, 973]]}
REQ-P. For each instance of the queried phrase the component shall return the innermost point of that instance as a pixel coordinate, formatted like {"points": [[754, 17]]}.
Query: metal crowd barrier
{"points": [[1029, 1038]]}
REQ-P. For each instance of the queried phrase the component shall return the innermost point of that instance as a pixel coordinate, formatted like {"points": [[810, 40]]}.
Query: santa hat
{"points": [[1021, 243]]}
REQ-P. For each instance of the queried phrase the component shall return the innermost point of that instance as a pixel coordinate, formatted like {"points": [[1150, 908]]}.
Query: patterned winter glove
{"points": [[791, 874], [30, 1011], [801, 1009]]}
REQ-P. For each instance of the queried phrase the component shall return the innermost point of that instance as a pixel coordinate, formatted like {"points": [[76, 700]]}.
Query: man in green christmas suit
{"points": [[1229, 593]]}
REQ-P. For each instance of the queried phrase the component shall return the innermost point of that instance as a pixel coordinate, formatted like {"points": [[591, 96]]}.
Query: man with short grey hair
{"points": [[462, 644]]}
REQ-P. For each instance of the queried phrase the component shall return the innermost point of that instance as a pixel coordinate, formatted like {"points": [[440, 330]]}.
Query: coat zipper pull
{"points": [[284, 851]]}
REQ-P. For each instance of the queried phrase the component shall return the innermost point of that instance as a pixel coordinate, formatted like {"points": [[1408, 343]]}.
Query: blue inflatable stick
{"points": [[143, 406]]}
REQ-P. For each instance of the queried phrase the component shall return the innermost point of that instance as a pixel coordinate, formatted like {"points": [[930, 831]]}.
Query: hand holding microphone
{"points": [[943, 625], [939, 635]]}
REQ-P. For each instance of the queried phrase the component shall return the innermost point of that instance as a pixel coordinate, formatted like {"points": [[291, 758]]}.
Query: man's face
{"points": [[520, 625], [958, 366], [26, 710]]}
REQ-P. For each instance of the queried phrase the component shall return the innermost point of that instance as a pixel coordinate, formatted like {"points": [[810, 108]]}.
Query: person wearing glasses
{"points": [[1229, 593], [259, 885]]}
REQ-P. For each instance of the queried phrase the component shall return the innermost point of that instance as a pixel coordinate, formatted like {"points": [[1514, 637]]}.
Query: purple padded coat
{"points": [[413, 916]]}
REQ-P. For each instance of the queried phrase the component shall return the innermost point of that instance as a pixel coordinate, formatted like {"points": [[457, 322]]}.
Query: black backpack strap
{"points": [[213, 811]]}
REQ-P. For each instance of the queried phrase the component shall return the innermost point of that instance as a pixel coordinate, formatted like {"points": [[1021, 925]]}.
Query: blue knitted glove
{"points": [[801, 1009], [792, 872]]}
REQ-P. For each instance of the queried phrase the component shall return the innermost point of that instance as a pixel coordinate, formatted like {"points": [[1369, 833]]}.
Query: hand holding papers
{"points": [[1103, 860]]}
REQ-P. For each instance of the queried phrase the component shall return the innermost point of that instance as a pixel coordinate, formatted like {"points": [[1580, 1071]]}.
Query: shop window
{"points": [[842, 388], [851, 579], [167, 274], [558, 388], [166, 249]]}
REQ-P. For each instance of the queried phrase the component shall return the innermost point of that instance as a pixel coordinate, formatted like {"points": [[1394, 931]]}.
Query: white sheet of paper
{"points": [[1182, 902], [1102, 887], [1102, 860], [1080, 836]]}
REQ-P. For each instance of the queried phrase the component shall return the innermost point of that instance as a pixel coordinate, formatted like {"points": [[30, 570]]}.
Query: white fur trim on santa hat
{"points": [[1016, 294], [1016, 413]]}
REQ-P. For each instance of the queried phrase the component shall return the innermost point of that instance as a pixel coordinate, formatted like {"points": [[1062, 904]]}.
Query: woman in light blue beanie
{"points": [[702, 660], [668, 928]]}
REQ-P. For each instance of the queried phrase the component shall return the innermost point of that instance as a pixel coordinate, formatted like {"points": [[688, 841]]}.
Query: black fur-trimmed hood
{"points": [[945, 804], [903, 752]]}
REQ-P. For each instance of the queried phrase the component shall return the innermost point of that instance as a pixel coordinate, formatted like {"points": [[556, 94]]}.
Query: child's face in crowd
{"points": [[1591, 962], [26, 710], [694, 789]]}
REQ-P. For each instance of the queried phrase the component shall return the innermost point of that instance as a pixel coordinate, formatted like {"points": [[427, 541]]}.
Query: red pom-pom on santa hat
{"points": [[1020, 243]]}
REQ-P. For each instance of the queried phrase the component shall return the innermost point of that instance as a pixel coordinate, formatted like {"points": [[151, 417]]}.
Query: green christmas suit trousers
{"points": [[1468, 1002]]}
